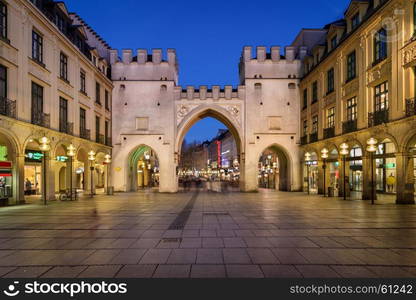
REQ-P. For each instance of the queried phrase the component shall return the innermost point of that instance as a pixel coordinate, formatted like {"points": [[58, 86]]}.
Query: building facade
{"points": [[262, 111], [358, 82], [55, 91]]}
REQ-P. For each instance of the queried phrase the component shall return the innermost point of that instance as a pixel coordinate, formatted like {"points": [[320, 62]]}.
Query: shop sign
{"points": [[390, 166], [5, 168], [62, 158], [34, 156]]}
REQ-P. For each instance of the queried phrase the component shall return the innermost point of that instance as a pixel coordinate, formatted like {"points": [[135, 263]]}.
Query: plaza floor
{"points": [[200, 234]]}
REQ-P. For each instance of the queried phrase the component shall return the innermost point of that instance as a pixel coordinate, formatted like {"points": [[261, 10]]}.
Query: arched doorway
{"points": [[273, 170], [355, 170], [81, 170], [385, 162], [311, 173], [333, 170], [144, 169], [61, 170], [218, 157], [410, 180], [33, 171]]}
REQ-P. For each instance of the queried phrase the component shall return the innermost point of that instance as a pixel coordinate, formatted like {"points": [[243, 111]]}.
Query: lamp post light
{"points": [[71, 153], [324, 155], [107, 161], [307, 162], [344, 152], [44, 147], [371, 148], [91, 158]]}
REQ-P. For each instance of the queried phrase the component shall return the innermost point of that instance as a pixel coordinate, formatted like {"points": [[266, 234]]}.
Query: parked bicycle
{"points": [[66, 195]]}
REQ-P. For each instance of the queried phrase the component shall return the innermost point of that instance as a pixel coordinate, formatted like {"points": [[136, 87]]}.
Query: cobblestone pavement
{"points": [[266, 234]]}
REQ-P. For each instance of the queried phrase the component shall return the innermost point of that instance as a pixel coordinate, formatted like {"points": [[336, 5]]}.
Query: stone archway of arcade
{"points": [[25, 168], [394, 167]]}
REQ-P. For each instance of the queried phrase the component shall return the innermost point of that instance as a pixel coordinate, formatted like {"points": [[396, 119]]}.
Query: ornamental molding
{"points": [[379, 72], [409, 55], [350, 88], [183, 110]]}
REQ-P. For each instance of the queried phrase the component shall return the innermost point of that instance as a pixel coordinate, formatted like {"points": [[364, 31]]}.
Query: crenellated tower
{"points": [[144, 66]]}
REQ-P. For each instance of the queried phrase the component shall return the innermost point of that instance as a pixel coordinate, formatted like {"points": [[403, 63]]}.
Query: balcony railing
{"points": [[99, 138], [329, 132], [378, 117], [313, 137], [8, 107], [304, 140], [85, 134], [349, 126], [410, 107], [108, 141], [67, 127], [41, 119]]}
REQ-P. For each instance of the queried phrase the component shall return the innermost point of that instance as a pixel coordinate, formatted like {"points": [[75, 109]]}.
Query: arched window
{"points": [[163, 88], [414, 19], [380, 45], [292, 86]]}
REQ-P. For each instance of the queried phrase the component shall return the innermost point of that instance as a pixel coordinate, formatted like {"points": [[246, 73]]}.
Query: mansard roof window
{"points": [[334, 42], [414, 19], [3, 20], [355, 21]]}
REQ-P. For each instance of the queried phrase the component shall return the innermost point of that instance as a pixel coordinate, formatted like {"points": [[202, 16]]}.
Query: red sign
{"points": [[219, 153], [5, 164]]}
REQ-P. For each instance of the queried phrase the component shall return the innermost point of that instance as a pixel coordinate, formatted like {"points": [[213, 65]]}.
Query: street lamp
{"points": [[371, 148], [307, 161], [107, 161], [44, 147], [91, 158], [324, 155], [344, 152], [71, 154]]}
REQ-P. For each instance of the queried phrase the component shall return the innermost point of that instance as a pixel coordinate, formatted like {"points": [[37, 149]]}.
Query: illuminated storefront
{"points": [[356, 169], [385, 161], [33, 172]]}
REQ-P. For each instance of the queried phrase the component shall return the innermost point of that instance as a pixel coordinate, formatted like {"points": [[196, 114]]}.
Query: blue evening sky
{"points": [[207, 35]]}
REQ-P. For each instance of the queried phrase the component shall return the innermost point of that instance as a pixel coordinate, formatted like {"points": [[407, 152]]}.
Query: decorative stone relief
{"points": [[330, 99], [378, 72], [350, 88], [183, 111], [409, 55], [234, 110]]}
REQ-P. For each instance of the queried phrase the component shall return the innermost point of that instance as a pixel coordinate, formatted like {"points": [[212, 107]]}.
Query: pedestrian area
{"points": [[201, 234]]}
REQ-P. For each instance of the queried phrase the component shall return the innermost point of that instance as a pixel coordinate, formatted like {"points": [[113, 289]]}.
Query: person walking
{"points": [[391, 181]]}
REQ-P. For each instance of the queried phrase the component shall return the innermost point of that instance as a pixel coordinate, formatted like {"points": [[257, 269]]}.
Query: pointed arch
{"points": [[204, 111]]}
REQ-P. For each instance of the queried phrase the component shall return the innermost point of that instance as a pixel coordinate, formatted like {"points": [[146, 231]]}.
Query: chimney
{"points": [[303, 51]]}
